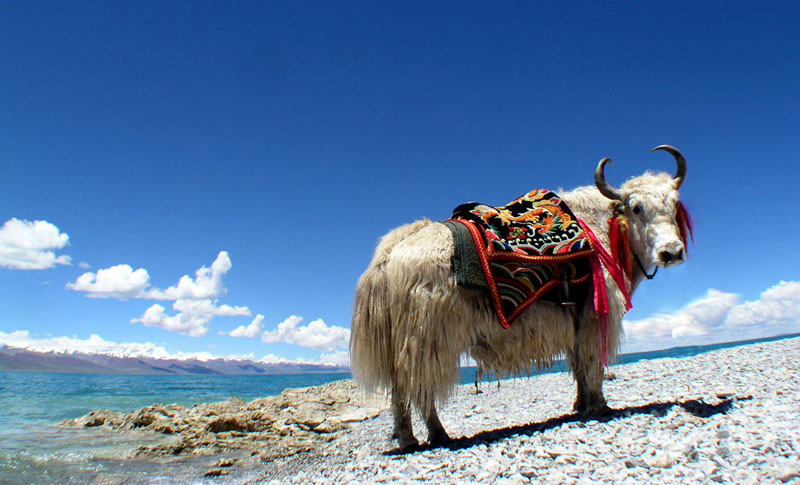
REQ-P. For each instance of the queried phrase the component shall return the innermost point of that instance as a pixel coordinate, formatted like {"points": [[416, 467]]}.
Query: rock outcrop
{"points": [[297, 420]]}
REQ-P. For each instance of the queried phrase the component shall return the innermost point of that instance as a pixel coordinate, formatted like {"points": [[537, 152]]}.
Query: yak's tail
{"points": [[371, 354]]}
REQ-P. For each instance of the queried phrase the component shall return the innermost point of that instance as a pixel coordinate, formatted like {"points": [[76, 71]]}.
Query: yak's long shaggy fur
{"points": [[412, 323]]}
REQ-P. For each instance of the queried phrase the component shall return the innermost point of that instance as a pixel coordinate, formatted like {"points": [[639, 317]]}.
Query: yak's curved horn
{"points": [[600, 180], [680, 173]]}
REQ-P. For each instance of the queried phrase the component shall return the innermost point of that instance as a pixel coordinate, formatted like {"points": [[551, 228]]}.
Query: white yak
{"points": [[412, 322]]}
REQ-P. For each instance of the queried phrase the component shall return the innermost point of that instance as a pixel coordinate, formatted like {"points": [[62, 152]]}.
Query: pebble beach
{"points": [[727, 416]]}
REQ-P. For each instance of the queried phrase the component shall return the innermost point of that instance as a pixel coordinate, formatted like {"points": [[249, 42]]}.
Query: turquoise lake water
{"points": [[34, 450]]}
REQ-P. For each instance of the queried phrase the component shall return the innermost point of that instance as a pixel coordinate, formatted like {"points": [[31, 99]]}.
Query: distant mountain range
{"points": [[23, 360]]}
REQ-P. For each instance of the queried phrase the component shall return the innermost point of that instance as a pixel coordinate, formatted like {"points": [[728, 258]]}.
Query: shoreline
{"points": [[730, 414]]}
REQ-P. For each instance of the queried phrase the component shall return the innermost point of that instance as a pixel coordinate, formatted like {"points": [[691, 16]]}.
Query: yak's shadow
{"points": [[694, 406]]}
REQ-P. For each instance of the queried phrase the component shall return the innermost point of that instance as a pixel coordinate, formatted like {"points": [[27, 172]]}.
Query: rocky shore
{"points": [[298, 421], [728, 416]]}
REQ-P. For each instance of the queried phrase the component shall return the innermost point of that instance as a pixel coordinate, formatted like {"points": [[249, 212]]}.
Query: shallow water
{"points": [[34, 450], [48, 454]]}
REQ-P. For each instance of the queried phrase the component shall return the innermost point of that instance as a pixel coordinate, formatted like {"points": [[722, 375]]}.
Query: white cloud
{"points": [[123, 283], [119, 281], [192, 297], [316, 335], [31, 245], [719, 317], [248, 331], [206, 284], [273, 359], [340, 357], [196, 305], [192, 317], [779, 305], [337, 358]]}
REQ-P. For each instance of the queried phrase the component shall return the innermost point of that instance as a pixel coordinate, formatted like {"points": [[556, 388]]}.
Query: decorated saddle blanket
{"points": [[531, 248]]}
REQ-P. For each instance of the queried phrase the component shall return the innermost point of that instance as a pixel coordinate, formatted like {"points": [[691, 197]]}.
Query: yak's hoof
{"points": [[602, 411], [438, 439], [585, 410], [408, 444], [597, 412]]}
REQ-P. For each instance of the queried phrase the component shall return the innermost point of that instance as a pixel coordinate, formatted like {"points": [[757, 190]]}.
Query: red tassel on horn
{"points": [[618, 241], [684, 225]]}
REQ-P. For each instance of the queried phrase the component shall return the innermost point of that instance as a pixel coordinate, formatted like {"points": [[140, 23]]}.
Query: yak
{"points": [[412, 323]]}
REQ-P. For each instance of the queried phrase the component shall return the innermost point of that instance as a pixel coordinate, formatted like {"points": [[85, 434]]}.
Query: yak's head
{"points": [[657, 222]]}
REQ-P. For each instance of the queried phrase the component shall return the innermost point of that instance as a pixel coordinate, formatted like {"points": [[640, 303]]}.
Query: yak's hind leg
{"points": [[403, 430], [436, 433]]}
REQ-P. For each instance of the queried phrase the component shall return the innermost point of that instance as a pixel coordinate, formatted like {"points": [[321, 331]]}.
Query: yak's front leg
{"points": [[584, 360], [590, 400], [403, 430], [436, 433]]}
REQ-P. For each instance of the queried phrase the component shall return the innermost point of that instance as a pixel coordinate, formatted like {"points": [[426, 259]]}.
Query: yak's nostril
{"points": [[666, 257]]}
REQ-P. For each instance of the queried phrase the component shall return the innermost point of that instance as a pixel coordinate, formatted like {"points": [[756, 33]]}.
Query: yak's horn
{"points": [[680, 173], [600, 180]]}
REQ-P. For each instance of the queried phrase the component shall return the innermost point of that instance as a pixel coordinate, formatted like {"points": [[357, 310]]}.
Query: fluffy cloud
{"points": [[719, 317], [701, 317], [192, 297], [778, 306], [340, 357], [316, 335], [120, 282], [31, 245], [248, 331], [123, 283], [196, 305], [207, 283], [273, 359], [192, 317]]}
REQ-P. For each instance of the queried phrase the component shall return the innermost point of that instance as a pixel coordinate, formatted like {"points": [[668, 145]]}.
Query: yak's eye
{"points": [[637, 209]]}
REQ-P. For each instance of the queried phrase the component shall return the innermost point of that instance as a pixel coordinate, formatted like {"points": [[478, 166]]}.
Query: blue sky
{"points": [[200, 167]]}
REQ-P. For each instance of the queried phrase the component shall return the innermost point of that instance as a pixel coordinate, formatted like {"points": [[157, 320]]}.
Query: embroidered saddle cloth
{"points": [[531, 248]]}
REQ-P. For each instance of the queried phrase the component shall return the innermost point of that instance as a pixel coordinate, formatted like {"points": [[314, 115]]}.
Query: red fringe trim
{"points": [[600, 295], [600, 307]]}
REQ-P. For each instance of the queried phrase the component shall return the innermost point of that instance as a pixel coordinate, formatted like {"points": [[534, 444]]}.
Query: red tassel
{"points": [[600, 295], [614, 237], [610, 263], [600, 307], [620, 249], [685, 225]]}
